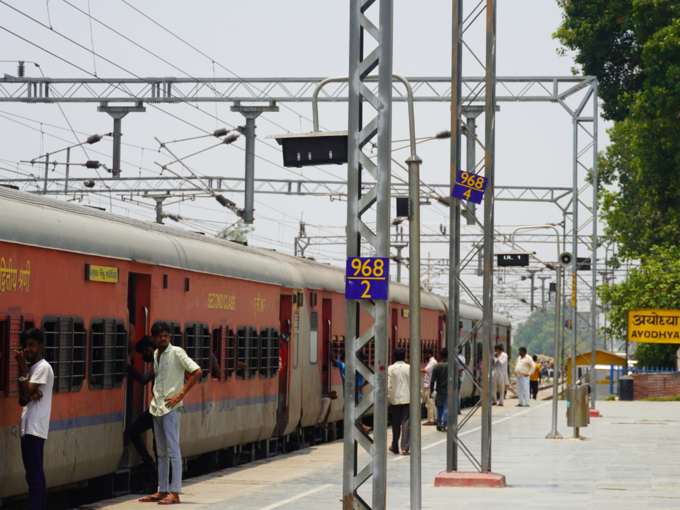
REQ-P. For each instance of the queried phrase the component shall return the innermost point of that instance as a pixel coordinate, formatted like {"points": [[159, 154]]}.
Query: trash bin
{"points": [[625, 387], [577, 406]]}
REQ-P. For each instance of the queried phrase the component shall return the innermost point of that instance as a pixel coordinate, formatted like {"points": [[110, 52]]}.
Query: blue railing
{"points": [[615, 372]]}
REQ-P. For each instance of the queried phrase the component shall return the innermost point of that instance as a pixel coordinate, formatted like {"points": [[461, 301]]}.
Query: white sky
{"points": [[271, 38]]}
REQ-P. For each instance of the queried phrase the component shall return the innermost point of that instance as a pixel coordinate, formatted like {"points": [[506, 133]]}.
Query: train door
{"points": [[326, 350], [440, 333], [393, 333], [139, 306], [285, 327]]}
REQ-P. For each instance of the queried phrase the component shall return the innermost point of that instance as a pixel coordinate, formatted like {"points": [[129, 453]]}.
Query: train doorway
{"points": [[139, 307], [285, 327], [326, 349]]}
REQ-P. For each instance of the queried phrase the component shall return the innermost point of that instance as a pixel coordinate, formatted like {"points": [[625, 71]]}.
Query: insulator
{"points": [[21, 70], [225, 202], [220, 132], [94, 139], [88, 183], [231, 138], [92, 164], [445, 201], [442, 135]]}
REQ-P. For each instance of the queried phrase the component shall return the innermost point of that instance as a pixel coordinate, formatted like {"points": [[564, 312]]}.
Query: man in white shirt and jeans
{"points": [[35, 396], [523, 369], [399, 397], [169, 389]]}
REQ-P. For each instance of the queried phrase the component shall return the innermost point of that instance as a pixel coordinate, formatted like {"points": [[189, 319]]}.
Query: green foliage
{"points": [[654, 285], [238, 232], [674, 398], [611, 397], [537, 334], [633, 47]]}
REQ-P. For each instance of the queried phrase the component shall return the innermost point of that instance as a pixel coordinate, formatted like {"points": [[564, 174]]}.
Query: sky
{"points": [[297, 38]]}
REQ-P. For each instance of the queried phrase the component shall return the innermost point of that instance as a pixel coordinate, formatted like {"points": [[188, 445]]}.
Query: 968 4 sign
{"points": [[469, 187], [367, 278]]}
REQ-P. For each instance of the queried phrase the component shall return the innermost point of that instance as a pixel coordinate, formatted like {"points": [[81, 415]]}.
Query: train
{"points": [[96, 281]]}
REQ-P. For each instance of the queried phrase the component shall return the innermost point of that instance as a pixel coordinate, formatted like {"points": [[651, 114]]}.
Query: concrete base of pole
{"points": [[469, 479], [594, 413]]}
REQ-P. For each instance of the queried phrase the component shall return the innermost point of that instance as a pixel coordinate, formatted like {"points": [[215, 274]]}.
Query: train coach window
{"points": [[231, 352], [246, 352], [65, 351], [218, 350], [108, 353], [269, 352], [4, 356], [313, 337], [197, 345]]}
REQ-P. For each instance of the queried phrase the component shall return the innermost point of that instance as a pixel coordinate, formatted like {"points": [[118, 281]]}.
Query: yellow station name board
{"points": [[101, 274], [654, 326]]}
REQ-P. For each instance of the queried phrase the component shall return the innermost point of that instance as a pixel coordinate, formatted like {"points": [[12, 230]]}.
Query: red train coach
{"points": [[96, 282]]}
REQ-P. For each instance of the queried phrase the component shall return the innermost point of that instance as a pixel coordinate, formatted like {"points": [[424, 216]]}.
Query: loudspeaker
{"points": [[566, 260]]}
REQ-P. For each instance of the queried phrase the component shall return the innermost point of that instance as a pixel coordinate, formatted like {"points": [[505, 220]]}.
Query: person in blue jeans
{"points": [[440, 383], [361, 382]]}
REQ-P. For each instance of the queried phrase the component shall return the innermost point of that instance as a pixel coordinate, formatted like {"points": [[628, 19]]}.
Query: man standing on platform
{"points": [[500, 377], [35, 396], [440, 384], [170, 364], [428, 354], [523, 369], [535, 379], [399, 397]]}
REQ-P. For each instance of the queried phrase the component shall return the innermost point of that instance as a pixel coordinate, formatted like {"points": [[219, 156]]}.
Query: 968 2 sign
{"points": [[367, 278]]}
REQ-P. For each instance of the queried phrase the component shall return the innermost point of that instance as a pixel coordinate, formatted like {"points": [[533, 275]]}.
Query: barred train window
{"points": [[313, 338], [247, 352], [224, 348], [65, 351], [197, 346], [231, 352], [108, 353], [269, 352]]}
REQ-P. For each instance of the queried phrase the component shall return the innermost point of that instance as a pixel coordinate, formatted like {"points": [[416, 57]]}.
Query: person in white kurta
{"points": [[523, 369], [430, 361], [499, 377]]}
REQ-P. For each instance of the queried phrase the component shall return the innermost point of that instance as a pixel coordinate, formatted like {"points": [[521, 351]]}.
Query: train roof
{"points": [[37, 220]]}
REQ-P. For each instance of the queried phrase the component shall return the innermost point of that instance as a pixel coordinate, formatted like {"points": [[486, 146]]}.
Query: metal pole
{"points": [[379, 196], [414, 326], [250, 170], [593, 259], [47, 164], [68, 161], [117, 121], [532, 274], [489, 173], [452, 330], [471, 159], [574, 241], [543, 279], [554, 434]]}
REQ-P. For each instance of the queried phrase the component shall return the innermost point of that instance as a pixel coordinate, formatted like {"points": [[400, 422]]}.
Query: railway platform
{"points": [[628, 460]]}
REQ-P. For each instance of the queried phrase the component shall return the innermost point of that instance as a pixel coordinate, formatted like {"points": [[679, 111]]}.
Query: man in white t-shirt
{"points": [[35, 396]]}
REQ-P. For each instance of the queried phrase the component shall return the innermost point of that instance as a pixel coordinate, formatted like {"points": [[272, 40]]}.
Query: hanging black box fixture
{"points": [[312, 149], [583, 264], [402, 207]]}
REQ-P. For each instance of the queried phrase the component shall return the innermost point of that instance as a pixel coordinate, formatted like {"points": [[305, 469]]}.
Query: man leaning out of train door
{"points": [[170, 364], [523, 369], [35, 396]]}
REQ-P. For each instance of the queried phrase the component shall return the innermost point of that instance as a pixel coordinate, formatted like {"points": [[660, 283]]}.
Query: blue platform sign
{"points": [[367, 278], [469, 187]]}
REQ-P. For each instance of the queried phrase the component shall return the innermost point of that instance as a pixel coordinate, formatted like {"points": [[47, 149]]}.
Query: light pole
{"points": [[543, 279], [532, 275]]}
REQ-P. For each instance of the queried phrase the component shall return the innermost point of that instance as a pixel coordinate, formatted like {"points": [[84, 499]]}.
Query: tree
{"points": [[537, 334], [654, 285], [633, 47], [238, 232]]}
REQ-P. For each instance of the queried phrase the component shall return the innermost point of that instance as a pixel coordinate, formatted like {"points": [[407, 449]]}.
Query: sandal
{"points": [[168, 500], [149, 499]]}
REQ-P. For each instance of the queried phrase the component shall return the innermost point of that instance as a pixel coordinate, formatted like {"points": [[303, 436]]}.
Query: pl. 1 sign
{"points": [[469, 187], [654, 326], [367, 278]]}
